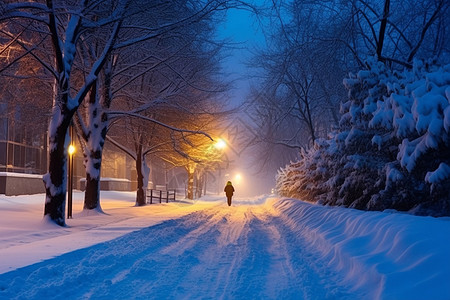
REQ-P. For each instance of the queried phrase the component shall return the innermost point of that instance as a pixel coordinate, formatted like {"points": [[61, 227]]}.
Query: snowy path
{"points": [[221, 253], [261, 248]]}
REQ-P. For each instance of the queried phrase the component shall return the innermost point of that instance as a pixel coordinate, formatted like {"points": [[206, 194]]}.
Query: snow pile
{"points": [[389, 256], [392, 150]]}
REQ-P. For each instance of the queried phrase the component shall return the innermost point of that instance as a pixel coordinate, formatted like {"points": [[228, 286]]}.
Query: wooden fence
{"points": [[161, 195]]}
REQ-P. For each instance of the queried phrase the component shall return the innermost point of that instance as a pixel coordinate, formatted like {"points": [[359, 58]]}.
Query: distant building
{"points": [[23, 152], [24, 158], [23, 145]]}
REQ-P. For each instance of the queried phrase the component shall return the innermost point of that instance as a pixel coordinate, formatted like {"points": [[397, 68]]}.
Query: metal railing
{"points": [[160, 195]]}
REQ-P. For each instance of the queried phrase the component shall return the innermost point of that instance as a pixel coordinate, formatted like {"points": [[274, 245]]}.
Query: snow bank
{"points": [[390, 255]]}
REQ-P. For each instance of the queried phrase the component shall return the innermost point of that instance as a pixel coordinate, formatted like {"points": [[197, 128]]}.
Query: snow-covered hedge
{"points": [[392, 149]]}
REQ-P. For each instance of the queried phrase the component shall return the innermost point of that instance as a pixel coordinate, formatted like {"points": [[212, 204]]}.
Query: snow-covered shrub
{"points": [[419, 104], [303, 178], [392, 149]]}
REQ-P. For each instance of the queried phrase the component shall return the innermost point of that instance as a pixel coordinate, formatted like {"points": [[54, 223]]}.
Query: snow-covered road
{"points": [[221, 252], [237, 252], [265, 248]]}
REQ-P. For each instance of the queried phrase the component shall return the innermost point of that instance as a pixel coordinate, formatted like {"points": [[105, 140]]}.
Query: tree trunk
{"points": [[98, 123], [199, 184], [140, 193], [190, 187], [204, 183], [55, 180], [143, 172], [382, 29], [92, 193]]}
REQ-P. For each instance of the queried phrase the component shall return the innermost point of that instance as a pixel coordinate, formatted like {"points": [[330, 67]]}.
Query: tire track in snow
{"points": [[203, 261], [224, 265], [281, 280], [254, 255]]}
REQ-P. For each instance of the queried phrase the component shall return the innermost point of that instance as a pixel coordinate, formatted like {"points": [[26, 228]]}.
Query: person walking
{"points": [[229, 190]]}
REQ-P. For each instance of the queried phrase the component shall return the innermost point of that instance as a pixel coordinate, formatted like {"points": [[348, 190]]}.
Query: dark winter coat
{"points": [[229, 190]]}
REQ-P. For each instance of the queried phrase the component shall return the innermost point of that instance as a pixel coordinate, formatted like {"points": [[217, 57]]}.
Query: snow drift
{"points": [[387, 255]]}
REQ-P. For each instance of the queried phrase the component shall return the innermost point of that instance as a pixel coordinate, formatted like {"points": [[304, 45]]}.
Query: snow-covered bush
{"points": [[392, 149]]}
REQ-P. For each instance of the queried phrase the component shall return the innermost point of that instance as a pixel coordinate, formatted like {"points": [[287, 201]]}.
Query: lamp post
{"points": [[71, 151]]}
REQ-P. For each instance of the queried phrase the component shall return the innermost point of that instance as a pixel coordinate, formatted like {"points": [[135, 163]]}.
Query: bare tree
{"points": [[399, 31], [66, 25], [181, 79], [312, 45]]}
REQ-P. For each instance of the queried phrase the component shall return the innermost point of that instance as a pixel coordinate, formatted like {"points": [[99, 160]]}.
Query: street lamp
{"points": [[70, 151], [238, 178], [220, 144]]}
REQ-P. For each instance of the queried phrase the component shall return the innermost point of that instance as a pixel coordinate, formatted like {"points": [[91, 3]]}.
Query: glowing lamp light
{"points": [[220, 144], [71, 149], [238, 178]]}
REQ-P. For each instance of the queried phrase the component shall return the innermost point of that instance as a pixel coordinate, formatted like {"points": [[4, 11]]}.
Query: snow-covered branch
{"points": [[18, 10]]}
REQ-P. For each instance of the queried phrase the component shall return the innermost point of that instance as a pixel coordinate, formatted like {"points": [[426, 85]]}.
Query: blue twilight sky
{"points": [[242, 29]]}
